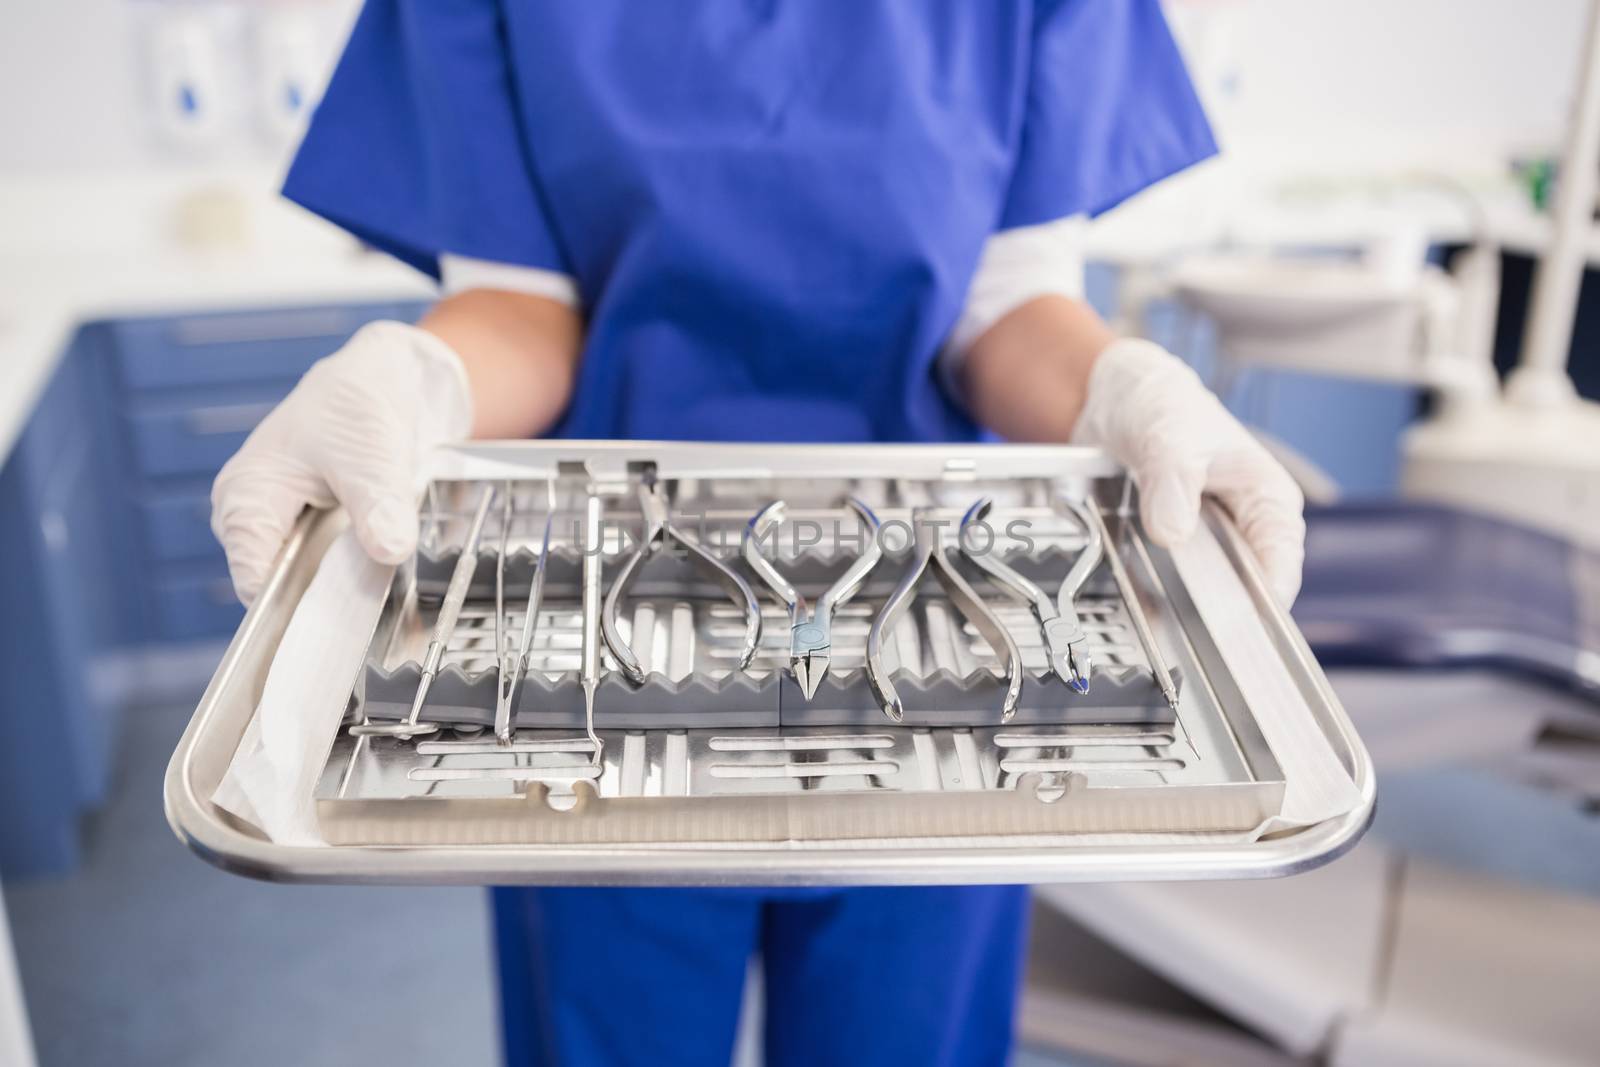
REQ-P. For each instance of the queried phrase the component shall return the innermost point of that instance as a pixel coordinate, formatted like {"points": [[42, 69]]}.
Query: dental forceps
{"points": [[811, 632], [658, 530], [1064, 638], [928, 550], [455, 596]]}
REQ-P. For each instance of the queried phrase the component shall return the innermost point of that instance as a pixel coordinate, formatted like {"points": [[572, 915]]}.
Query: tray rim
{"points": [[227, 705]]}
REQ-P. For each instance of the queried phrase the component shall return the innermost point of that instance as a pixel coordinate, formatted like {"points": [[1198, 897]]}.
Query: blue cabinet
{"points": [[184, 394], [60, 624], [232, 348], [106, 550]]}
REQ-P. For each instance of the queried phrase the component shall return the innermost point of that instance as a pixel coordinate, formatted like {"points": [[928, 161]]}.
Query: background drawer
{"points": [[233, 348], [177, 528], [194, 607], [197, 440]]}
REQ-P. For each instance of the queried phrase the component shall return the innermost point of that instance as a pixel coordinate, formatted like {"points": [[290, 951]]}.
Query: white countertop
{"points": [[88, 249]]}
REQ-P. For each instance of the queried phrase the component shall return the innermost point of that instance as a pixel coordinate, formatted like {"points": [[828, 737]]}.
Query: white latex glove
{"points": [[1151, 412], [355, 431]]}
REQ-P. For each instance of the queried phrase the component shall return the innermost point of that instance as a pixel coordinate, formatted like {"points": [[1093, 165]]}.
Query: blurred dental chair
{"points": [[1377, 959], [1466, 929], [1459, 638], [1331, 346], [1381, 314]]}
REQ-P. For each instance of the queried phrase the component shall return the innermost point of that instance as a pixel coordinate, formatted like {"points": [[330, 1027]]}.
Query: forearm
{"points": [[1026, 377], [1050, 370], [520, 353]]}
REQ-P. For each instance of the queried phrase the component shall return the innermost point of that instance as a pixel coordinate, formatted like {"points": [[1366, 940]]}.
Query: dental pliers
{"points": [[658, 530], [1064, 638], [928, 551], [811, 632]]}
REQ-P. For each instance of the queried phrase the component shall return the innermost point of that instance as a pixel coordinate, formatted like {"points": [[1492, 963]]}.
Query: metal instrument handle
{"points": [[760, 523], [736, 587], [593, 617], [658, 528], [892, 611], [506, 678], [455, 594], [1141, 624], [1088, 560], [1004, 575], [652, 505], [530, 618], [928, 550], [984, 620], [850, 582], [620, 651], [455, 597]]}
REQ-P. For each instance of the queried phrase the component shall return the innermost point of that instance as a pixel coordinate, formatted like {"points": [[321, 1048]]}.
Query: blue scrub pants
{"points": [[923, 976]]}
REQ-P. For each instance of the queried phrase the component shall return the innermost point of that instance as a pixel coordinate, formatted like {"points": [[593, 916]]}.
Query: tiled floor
{"points": [[146, 955]]}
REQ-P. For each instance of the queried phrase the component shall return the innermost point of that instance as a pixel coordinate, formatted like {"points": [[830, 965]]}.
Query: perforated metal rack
{"points": [[706, 773]]}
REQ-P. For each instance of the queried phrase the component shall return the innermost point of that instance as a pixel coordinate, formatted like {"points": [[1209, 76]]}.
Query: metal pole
{"points": [[1540, 379]]}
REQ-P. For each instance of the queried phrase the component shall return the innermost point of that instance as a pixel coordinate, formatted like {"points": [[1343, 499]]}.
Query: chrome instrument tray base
{"points": [[697, 787]]}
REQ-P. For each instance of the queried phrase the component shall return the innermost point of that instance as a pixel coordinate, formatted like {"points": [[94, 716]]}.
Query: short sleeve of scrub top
{"points": [[1110, 111], [417, 147], [742, 188]]}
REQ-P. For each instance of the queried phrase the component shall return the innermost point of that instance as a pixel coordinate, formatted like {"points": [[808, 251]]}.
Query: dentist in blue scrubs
{"points": [[761, 220]]}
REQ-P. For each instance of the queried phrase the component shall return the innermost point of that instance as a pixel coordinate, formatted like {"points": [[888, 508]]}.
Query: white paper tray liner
{"points": [[273, 776]]}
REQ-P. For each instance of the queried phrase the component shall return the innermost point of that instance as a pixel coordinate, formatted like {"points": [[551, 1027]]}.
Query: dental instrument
{"points": [[514, 665], [1064, 639], [659, 530], [811, 632], [449, 611], [928, 551]]}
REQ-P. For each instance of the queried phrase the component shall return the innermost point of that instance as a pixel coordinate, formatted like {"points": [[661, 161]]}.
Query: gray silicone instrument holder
{"points": [[954, 683]]}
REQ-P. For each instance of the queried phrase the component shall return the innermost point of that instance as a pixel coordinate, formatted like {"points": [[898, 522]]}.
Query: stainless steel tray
{"points": [[1110, 786]]}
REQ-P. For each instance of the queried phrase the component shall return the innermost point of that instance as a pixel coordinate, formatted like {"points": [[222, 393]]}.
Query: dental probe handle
{"points": [[1141, 624], [455, 594], [589, 673]]}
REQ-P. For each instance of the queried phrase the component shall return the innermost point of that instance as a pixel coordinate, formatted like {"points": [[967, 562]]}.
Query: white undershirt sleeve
{"points": [[1017, 265], [460, 273]]}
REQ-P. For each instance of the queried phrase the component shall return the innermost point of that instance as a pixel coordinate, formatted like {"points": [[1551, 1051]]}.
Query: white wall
{"points": [[76, 78], [67, 74], [1397, 80], [1324, 79]]}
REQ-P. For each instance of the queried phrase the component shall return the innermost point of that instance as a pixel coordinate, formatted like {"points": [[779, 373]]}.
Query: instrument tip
{"points": [[809, 670], [1077, 675]]}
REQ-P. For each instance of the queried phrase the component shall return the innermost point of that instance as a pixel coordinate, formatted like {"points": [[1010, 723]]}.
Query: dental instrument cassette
{"points": [[676, 663]]}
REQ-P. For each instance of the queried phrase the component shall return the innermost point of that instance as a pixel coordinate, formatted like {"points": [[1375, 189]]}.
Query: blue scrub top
{"points": [[772, 209]]}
